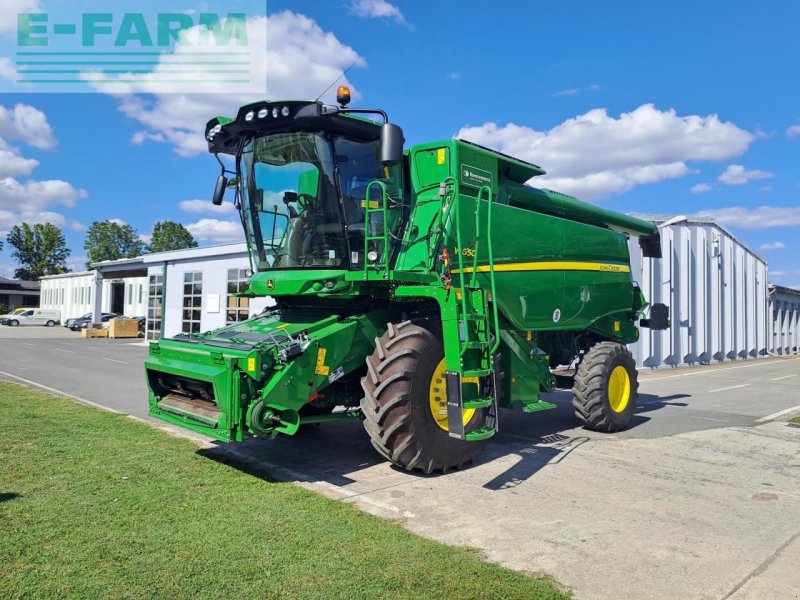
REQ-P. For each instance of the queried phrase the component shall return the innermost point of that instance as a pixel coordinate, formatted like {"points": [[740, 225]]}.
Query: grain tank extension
{"points": [[417, 290]]}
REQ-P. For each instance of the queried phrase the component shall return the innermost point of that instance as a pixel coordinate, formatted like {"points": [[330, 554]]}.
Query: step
{"points": [[476, 373], [479, 402], [477, 435], [475, 345]]}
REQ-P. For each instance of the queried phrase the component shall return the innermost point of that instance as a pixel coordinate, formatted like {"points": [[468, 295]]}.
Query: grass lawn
{"points": [[95, 505], [795, 421]]}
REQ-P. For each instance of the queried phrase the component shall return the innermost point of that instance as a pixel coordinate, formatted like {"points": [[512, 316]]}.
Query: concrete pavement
{"points": [[699, 499]]}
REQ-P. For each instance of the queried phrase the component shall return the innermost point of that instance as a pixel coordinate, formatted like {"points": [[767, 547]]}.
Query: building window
{"points": [[192, 301], [141, 289], [155, 306], [238, 309], [62, 295]]}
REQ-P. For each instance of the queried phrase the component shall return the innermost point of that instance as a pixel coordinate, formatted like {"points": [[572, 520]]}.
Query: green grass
{"points": [[795, 421], [95, 505]]}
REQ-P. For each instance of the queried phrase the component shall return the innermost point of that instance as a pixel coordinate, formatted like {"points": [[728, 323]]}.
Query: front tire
{"points": [[13, 323], [606, 388], [397, 406]]}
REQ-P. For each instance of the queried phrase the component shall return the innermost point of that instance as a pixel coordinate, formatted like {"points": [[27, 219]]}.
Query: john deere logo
{"points": [[475, 176], [270, 284]]}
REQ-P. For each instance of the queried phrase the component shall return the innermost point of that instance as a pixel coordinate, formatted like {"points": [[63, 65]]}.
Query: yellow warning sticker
{"points": [[441, 156], [251, 364], [372, 204], [616, 325], [321, 368]]}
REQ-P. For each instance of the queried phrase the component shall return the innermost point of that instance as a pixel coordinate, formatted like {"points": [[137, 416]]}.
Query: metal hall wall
{"points": [[784, 320], [716, 289]]}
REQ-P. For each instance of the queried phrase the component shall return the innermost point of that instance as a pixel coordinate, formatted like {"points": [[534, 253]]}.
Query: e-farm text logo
{"points": [[159, 51]]}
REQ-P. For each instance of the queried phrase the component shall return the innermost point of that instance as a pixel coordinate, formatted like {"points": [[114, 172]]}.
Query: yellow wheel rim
{"points": [[437, 397], [619, 389]]}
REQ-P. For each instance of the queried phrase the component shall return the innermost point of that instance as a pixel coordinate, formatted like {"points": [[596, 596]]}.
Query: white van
{"points": [[35, 316]]}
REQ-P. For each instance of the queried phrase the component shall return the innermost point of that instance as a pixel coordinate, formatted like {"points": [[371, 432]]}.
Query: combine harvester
{"points": [[417, 290]]}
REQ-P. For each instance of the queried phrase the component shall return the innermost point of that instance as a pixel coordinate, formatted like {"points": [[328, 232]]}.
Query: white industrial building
{"points": [[186, 291], [716, 289], [72, 293], [784, 333]]}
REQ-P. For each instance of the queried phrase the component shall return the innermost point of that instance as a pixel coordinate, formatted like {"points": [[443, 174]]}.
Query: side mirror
{"points": [[219, 190], [391, 144]]}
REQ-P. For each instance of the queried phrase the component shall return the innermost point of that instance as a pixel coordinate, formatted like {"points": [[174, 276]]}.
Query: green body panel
{"points": [[329, 348], [513, 276]]}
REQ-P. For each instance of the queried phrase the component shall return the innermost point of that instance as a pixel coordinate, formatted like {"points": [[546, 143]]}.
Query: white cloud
{"points": [[738, 175], [31, 200], [12, 163], [214, 230], [594, 154], [11, 8], [567, 92], [300, 61], [119, 222], [28, 124], [378, 9], [700, 188], [773, 246], [146, 238], [7, 69], [205, 206], [793, 131], [762, 217]]}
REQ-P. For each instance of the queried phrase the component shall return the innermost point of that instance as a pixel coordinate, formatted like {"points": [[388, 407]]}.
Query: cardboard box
{"points": [[123, 328], [90, 332]]}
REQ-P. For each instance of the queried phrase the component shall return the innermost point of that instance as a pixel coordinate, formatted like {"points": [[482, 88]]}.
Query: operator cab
{"points": [[303, 174]]}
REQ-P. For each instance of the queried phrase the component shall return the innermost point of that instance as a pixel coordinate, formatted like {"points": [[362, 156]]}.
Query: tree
{"points": [[109, 240], [39, 249], [169, 235]]}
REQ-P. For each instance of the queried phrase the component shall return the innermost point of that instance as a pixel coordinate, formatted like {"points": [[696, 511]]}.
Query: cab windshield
{"points": [[304, 197]]}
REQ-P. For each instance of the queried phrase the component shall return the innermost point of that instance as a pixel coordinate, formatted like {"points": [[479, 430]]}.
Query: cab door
{"points": [[27, 318]]}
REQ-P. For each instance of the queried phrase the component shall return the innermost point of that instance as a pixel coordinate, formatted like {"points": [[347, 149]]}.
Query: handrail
{"points": [[492, 284], [384, 237]]}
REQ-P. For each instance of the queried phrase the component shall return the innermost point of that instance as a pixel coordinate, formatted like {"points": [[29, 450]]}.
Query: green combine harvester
{"points": [[418, 290]]}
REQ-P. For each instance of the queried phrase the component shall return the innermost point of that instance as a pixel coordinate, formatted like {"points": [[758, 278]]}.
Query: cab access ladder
{"points": [[475, 385]]}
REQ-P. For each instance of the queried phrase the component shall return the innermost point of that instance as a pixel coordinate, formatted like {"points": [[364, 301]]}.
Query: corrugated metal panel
{"points": [[716, 290], [784, 333]]}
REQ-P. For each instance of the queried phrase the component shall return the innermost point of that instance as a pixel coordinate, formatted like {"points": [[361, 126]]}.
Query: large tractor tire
{"points": [[606, 388], [405, 412]]}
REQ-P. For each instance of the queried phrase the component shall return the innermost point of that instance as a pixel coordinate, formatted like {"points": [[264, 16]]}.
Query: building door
{"points": [[118, 297]]}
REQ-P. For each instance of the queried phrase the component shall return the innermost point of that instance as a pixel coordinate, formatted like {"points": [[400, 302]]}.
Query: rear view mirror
{"points": [[219, 190], [391, 144]]}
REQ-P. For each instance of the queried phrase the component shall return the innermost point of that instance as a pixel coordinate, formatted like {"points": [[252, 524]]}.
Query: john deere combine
{"points": [[416, 290]]}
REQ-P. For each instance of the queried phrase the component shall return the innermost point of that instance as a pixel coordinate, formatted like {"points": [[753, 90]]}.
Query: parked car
{"points": [[4, 318], [35, 316], [85, 322], [71, 321]]}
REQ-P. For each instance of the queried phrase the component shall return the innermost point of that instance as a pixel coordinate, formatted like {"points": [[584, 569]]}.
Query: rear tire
{"points": [[606, 388], [396, 406], [51, 324]]}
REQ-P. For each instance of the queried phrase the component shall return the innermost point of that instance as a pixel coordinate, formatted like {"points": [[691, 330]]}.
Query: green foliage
{"points": [[94, 505], [108, 240], [169, 235], [39, 249]]}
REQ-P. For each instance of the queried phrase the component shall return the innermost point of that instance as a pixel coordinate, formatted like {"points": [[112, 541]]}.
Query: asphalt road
{"points": [[699, 499]]}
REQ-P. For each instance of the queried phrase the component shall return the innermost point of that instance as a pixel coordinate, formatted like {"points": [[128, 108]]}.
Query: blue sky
{"points": [[677, 108]]}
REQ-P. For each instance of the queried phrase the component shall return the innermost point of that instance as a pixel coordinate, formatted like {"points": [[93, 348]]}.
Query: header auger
{"points": [[418, 290]]}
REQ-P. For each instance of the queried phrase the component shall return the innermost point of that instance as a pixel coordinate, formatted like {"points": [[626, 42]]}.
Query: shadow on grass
{"points": [[8, 496]]}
